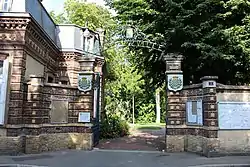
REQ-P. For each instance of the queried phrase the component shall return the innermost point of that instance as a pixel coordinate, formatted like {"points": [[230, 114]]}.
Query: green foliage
{"points": [[113, 127], [212, 35], [122, 83], [163, 104], [123, 79], [58, 19], [81, 13], [146, 113]]}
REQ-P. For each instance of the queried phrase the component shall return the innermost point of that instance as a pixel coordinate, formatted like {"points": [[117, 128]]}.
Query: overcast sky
{"points": [[57, 5]]}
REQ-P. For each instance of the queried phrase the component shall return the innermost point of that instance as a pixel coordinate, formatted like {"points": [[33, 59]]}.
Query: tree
{"points": [[212, 35], [123, 81], [124, 84], [91, 14], [58, 19]]}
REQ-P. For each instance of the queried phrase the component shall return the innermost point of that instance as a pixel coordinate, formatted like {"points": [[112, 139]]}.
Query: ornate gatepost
{"points": [[85, 85], [175, 118], [90, 85]]}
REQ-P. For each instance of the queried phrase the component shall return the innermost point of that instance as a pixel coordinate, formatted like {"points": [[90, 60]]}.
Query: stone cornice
{"points": [[65, 56], [24, 30], [17, 23], [12, 30], [231, 87], [36, 33]]}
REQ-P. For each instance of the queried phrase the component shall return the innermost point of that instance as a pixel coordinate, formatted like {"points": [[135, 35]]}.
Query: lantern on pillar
{"points": [[129, 32]]}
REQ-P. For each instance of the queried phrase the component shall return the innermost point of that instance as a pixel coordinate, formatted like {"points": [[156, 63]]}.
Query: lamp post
{"points": [[129, 32], [129, 35], [86, 35]]}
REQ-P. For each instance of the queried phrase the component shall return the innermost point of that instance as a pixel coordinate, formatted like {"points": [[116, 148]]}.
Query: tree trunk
{"points": [[158, 106]]}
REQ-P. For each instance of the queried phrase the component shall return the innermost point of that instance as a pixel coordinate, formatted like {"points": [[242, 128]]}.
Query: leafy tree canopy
{"points": [[122, 82], [82, 14], [212, 35]]}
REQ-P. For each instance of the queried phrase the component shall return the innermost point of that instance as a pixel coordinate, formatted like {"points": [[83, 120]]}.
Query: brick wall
{"points": [[206, 139], [38, 132]]}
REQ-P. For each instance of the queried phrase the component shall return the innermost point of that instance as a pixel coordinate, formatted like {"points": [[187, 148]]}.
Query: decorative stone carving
{"points": [[100, 62], [69, 56], [14, 23]]}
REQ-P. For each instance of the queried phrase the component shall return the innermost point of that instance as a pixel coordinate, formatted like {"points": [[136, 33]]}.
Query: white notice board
{"points": [[194, 113], [84, 117], [234, 115]]}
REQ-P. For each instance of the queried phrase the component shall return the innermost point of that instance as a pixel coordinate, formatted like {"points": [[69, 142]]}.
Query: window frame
{"points": [[6, 8]]}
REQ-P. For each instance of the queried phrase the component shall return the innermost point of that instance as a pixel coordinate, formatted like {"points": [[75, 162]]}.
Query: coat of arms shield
{"points": [[175, 82], [84, 82]]}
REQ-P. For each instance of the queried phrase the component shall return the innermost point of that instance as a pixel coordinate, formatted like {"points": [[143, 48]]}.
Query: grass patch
{"points": [[149, 126]]}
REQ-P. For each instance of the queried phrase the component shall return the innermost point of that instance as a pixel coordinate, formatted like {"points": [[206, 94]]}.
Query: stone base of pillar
{"points": [[211, 147], [175, 143], [208, 147]]}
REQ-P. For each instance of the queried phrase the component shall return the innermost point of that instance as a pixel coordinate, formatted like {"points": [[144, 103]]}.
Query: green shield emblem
{"points": [[175, 82], [84, 82]]}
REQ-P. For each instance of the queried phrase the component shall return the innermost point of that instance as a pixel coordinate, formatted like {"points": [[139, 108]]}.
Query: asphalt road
{"points": [[117, 158]]}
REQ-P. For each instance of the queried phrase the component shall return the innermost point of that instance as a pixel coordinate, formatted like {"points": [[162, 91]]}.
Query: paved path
{"points": [[114, 158], [150, 140]]}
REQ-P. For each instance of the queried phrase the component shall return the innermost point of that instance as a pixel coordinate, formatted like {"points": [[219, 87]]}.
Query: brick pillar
{"points": [[87, 68], [34, 109], [210, 115], [17, 88], [175, 131], [175, 119]]}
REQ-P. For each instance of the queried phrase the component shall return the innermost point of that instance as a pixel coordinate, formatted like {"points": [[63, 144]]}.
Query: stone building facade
{"points": [[40, 63]]}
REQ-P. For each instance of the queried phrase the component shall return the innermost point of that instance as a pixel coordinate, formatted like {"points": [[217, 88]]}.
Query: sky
{"points": [[57, 5]]}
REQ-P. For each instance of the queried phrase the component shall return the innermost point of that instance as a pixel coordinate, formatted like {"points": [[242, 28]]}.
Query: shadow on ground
{"points": [[140, 139]]}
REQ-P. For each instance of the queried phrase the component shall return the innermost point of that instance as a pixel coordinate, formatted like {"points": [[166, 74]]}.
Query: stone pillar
{"points": [[210, 115], [175, 118], [87, 68], [34, 110]]}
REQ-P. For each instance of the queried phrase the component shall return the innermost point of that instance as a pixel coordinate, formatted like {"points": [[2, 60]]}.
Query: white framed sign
{"points": [[84, 117], [175, 82], [234, 115], [194, 112], [84, 82]]}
